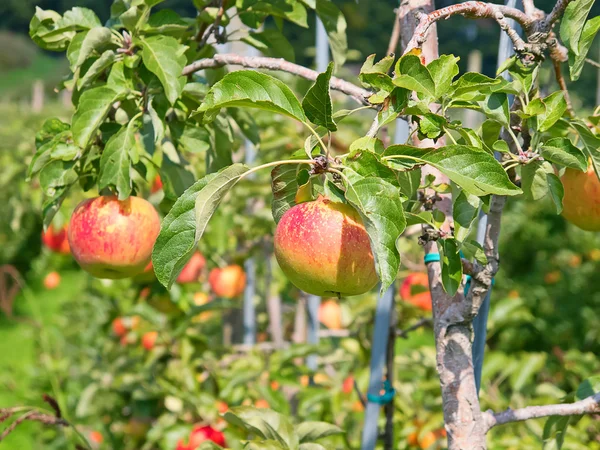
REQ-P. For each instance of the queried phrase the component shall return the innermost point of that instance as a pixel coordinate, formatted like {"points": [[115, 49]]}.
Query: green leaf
{"points": [[555, 430], [57, 174], [475, 170], [557, 192], [100, 65], [44, 31], [94, 105], [367, 143], [431, 126], [93, 40], [572, 23], [335, 25], [534, 179], [253, 12], [317, 101], [576, 61], [464, 212], [268, 424], [443, 70], [378, 203], [120, 78], [165, 57], [271, 42], [473, 82], [65, 152], [190, 137], [220, 152], [166, 21], [452, 270], [591, 144], [311, 446], [490, 131], [555, 108], [115, 162], [496, 107], [588, 388], [80, 18], [251, 89], [413, 75], [183, 227], [561, 151], [382, 66], [284, 184], [409, 182], [368, 164], [473, 250], [313, 431]]}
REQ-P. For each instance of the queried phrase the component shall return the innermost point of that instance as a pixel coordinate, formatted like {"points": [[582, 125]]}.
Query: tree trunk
{"points": [[453, 336]]}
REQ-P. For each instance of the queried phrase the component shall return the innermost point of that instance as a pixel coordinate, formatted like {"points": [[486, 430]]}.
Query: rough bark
{"points": [[463, 418]]}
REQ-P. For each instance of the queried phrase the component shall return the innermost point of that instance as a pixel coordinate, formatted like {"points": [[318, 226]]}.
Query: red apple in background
{"points": [[324, 249], [228, 282], [330, 314], [111, 238], [200, 435], [191, 271], [56, 240], [118, 327], [96, 437], [348, 385], [52, 280], [156, 184], [581, 202], [149, 339], [415, 290], [261, 403]]}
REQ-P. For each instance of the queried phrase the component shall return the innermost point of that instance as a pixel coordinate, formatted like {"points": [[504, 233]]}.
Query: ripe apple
{"points": [[111, 238], [149, 339], [52, 280], [118, 327], [421, 299], [191, 271], [228, 282], [202, 434], [56, 240], [324, 249], [348, 385], [581, 202], [330, 314], [96, 437]]}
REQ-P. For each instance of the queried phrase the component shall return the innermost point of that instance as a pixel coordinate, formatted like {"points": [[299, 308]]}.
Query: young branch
{"points": [[425, 322], [555, 14], [563, 86], [395, 36], [470, 10], [590, 405], [263, 62]]}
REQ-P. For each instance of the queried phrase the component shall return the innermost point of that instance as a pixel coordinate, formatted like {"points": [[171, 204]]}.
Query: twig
{"points": [[214, 28], [563, 86], [470, 10], [590, 405], [262, 62], [592, 62], [361, 396], [555, 14], [528, 7], [395, 36], [46, 419], [425, 322]]}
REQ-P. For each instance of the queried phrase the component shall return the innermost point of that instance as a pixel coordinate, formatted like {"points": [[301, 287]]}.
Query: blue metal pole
{"points": [[505, 51]]}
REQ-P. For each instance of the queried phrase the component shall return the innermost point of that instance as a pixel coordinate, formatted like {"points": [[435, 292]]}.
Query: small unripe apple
{"points": [[581, 202], [52, 280], [415, 290], [330, 314], [228, 282], [191, 271], [201, 298], [324, 249], [149, 339], [111, 238], [56, 240]]}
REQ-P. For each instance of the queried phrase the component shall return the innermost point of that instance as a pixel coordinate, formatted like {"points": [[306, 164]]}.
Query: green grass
{"points": [[19, 352]]}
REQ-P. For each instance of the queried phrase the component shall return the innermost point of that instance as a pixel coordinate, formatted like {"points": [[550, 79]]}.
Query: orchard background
{"points": [[130, 364]]}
